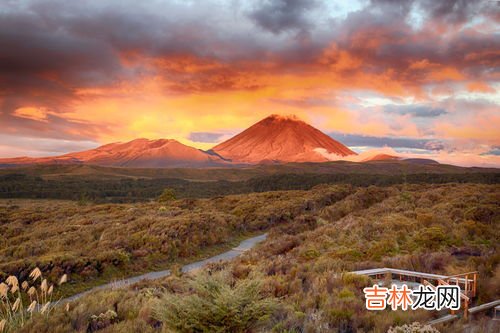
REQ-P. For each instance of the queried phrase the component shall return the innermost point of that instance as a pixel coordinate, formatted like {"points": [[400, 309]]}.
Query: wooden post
{"points": [[466, 309], [475, 285]]}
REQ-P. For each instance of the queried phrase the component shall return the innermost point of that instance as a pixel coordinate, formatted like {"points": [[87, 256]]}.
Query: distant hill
{"points": [[382, 157], [420, 161], [139, 153], [391, 158]]}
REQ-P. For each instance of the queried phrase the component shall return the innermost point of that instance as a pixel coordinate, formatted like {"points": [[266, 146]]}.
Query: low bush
{"points": [[216, 303]]}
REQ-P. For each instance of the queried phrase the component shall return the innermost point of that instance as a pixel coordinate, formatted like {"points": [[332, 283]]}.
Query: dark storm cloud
{"points": [[277, 16], [382, 37], [353, 140], [421, 111], [449, 11], [41, 63], [453, 11], [51, 49]]}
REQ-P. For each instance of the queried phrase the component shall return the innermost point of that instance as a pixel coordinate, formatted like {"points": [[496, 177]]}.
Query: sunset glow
{"points": [[417, 78]]}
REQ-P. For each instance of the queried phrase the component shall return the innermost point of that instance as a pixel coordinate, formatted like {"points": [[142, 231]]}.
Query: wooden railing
{"points": [[466, 281], [466, 299]]}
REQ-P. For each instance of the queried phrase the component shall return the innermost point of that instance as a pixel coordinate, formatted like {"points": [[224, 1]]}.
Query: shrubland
{"points": [[299, 276], [95, 242], [446, 229]]}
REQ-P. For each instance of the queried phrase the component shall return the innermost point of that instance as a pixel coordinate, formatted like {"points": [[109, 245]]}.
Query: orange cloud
{"points": [[480, 87], [422, 64], [339, 60], [481, 128], [445, 73], [33, 113]]}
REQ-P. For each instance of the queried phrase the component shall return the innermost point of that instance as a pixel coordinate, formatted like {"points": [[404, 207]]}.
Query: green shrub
{"points": [[216, 304], [431, 237], [167, 195], [311, 254]]}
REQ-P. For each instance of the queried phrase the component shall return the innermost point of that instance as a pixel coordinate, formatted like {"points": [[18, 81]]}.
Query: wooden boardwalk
{"points": [[466, 281]]}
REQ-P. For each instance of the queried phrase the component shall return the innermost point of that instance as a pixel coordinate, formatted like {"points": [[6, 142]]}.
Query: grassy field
{"points": [[291, 281]]}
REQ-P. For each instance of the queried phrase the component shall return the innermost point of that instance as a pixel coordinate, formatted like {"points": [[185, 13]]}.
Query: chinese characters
{"points": [[425, 297]]}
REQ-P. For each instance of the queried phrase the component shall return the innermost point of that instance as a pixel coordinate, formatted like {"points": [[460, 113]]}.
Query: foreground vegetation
{"points": [[294, 282], [19, 300]]}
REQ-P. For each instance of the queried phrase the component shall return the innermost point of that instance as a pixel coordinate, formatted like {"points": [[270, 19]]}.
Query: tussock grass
{"points": [[19, 301]]}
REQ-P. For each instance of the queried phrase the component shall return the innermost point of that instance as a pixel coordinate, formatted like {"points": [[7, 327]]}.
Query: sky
{"points": [[415, 78]]}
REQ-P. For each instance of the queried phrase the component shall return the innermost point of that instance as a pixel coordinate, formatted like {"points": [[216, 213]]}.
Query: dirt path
{"points": [[231, 254]]}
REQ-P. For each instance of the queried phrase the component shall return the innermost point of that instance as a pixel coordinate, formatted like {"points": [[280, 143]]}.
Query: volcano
{"points": [[139, 153], [281, 139]]}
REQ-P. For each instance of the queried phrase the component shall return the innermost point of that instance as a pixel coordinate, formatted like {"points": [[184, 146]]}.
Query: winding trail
{"points": [[245, 245]]}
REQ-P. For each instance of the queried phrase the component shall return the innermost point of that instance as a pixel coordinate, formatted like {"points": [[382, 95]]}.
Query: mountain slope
{"points": [[139, 153], [280, 139]]}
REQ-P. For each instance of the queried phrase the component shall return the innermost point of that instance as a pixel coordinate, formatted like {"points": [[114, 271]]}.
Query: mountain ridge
{"points": [[140, 152], [274, 139]]}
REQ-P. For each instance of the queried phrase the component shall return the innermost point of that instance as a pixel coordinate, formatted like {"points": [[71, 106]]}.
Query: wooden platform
{"points": [[466, 281]]}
